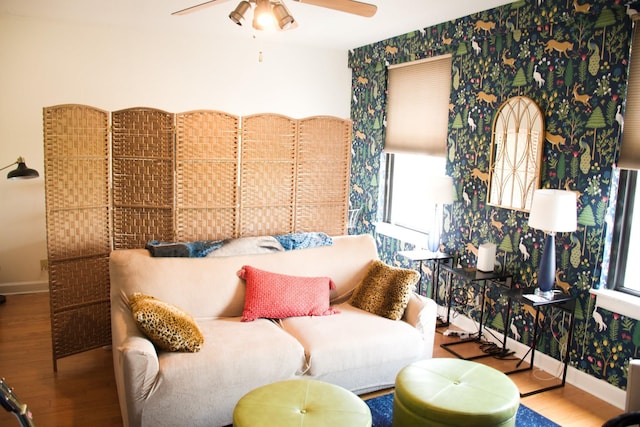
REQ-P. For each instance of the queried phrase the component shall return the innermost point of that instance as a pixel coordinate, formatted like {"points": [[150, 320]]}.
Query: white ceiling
{"points": [[317, 26]]}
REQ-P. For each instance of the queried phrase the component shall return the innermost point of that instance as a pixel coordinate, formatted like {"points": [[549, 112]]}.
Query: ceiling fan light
{"points": [[282, 16], [263, 15], [237, 16]]}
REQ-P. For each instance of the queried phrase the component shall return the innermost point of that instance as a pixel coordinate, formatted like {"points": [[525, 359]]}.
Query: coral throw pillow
{"points": [[277, 296], [167, 326], [385, 290]]}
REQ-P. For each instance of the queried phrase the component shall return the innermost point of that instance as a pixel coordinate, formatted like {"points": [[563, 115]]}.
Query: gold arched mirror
{"points": [[516, 153]]}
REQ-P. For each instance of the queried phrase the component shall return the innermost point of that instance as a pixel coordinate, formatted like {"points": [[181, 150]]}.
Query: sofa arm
{"points": [[135, 362], [422, 313], [137, 369]]}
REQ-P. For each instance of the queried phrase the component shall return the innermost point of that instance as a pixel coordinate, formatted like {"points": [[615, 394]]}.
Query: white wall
{"points": [[44, 63]]}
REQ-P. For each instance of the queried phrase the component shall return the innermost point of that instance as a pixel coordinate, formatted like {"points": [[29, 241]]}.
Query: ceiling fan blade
{"points": [[349, 6], [197, 7]]}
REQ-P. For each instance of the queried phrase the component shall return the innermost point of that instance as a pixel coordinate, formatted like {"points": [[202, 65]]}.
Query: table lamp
{"points": [[439, 191], [552, 211]]}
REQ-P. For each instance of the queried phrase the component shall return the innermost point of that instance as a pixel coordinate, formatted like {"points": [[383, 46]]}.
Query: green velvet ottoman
{"points": [[454, 392], [301, 403]]}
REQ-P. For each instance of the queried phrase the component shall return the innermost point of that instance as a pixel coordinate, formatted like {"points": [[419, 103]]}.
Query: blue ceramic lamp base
{"points": [[547, 269], [433, 242]]}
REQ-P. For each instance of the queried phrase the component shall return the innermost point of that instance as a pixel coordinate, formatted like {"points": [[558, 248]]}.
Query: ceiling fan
{"points": [[271, 13]]}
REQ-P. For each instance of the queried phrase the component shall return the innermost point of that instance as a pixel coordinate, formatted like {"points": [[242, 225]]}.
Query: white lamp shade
{"points": [[439, 189], [553, 211]]}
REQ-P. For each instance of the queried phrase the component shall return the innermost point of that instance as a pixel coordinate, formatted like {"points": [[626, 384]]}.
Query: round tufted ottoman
{"points": [[454, 392], [301, 403]]}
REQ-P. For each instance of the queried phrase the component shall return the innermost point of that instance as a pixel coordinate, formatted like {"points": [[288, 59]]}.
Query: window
{"points": [[417, 117], [406, 181], [624, 270]]}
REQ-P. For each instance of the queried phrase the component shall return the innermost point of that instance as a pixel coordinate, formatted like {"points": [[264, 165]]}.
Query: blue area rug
{"points": [[382, 409]]}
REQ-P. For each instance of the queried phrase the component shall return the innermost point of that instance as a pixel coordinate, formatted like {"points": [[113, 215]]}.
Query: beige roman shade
{"points": [[630, 148], [417, 106]]}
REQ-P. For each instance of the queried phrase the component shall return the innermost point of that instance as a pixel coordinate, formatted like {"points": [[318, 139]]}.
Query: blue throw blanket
{"points": [[242, 245]]}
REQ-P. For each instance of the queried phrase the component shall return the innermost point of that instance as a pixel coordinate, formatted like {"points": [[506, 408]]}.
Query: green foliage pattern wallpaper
{"points": [[569, 56]]}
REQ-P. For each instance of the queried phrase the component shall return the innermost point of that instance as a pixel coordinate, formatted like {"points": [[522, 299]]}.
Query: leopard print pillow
{"points": [[166, 325], [385, 290]]}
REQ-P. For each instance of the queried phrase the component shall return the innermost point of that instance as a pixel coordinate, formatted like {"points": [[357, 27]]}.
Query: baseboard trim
{"points": [[23, 288], [588, 383]]}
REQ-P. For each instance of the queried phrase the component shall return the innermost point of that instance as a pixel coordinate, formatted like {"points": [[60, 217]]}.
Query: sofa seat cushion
{"points": [[243, 349], [236, 358], [353, 339]]}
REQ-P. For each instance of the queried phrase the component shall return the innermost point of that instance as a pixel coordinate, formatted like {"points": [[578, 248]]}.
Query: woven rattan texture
{"points": [[207, 175], [76, 149], [267, 174], [93, 273], [143, 195], [322, 175]]}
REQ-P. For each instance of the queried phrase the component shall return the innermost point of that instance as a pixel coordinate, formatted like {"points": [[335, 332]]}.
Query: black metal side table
{"points": [[473, 275], [438, 258], [560, 300]]}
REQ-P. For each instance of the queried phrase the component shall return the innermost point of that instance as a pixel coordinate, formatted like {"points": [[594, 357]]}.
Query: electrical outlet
{"points": [[44, 265]]}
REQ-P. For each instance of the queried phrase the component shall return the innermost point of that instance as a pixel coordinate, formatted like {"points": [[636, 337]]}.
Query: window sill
{"points": [[416, 238], [618, 302]]}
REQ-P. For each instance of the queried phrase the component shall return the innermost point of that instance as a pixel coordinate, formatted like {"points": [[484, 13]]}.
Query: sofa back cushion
{"points": [[210, 287]]}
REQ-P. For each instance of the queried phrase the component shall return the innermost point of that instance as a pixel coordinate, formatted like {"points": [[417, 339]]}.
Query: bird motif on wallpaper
{"points": [[594, 58], [465, 197], [576, 251], [586, 156], [630, 11], [455, 78], [514, 331], [523, 250], [476, 47], [597, 317], [619, 118], [537, 76], [471, 122]]}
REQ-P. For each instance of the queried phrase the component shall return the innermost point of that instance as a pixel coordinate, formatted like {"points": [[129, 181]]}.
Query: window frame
{"points": [[622, 223]]}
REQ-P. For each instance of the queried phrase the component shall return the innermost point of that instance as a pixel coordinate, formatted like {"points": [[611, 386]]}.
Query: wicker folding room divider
{"points": [[116, 180]]}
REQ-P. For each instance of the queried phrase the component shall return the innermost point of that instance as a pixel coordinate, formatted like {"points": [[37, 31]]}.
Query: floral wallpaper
{"points": [[571, 58]]}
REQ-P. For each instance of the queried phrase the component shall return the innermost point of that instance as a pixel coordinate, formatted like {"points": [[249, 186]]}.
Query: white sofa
{"points": [[354, 349]]}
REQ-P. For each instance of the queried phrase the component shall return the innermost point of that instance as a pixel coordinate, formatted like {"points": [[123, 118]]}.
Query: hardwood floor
{"points": [[83, 391]]}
